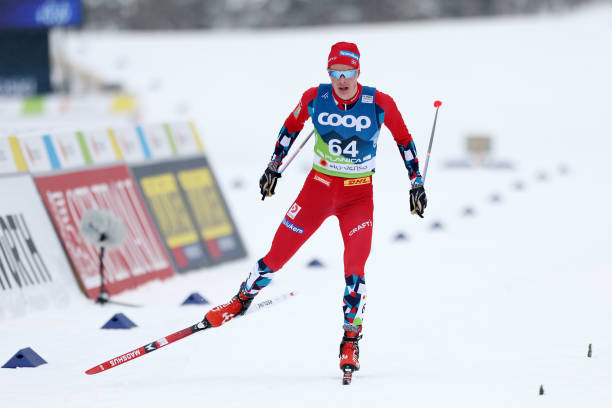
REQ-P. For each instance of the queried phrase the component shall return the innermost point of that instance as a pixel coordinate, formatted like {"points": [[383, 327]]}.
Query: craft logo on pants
{"points": [[292, 227], [361, 226], [293, 211]]}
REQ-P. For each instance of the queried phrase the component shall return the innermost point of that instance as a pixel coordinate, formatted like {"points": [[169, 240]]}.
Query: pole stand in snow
{"points": [[103, 229], [103, 295]]}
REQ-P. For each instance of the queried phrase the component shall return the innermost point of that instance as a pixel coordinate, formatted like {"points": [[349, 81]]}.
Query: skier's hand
{"points": [[418, 199], [267, 182]]}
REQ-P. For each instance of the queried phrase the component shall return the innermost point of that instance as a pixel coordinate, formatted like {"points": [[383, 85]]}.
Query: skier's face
{"points": [[345, 88]]}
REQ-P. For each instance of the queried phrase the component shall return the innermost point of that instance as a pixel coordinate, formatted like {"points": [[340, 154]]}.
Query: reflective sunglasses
{"points": [[347, 74]]}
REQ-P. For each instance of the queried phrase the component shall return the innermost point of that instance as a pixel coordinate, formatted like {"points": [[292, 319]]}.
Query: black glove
{"points": [[267, 182], [418, 200]]}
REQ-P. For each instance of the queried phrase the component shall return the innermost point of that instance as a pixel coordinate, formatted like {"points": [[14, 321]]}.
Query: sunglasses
{"points": [[347, 74]]}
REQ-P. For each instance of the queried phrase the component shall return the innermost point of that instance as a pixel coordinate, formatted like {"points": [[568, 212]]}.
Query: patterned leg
{"points": [[356, 226], [259, 278]]}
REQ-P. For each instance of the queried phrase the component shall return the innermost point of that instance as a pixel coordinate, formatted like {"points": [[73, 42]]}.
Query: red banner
{"points": [[140, 258]]}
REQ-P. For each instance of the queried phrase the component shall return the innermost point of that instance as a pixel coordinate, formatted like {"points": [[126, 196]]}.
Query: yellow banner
{"points": [[206, 203], [20, 162], [169, 209]]}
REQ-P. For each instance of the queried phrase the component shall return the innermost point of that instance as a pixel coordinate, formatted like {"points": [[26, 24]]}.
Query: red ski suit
{"points": [[349, 199], [322, 196]]}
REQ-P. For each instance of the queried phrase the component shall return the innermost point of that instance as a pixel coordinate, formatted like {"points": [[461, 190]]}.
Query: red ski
{"points": [[181, 334]]}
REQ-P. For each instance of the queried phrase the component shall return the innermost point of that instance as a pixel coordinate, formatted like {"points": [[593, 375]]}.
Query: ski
{"points": [[348, 376], [181, 334], [114, 302]]}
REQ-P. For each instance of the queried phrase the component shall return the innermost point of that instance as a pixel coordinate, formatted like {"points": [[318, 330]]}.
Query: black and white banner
{"points": [[34, 271]]}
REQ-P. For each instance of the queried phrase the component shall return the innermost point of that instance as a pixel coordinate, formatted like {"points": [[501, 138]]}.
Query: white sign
{"points": [[35, 273]]}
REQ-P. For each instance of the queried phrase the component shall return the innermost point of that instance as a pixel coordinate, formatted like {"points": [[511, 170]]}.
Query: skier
{"points": [[347, 118]]}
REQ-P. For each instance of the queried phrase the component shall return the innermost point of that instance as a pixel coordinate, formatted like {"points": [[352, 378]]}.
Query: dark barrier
{"points": [[190, 212]]}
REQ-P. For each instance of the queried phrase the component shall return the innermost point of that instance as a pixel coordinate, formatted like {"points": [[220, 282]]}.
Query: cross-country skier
{"points": [[347, 118]]}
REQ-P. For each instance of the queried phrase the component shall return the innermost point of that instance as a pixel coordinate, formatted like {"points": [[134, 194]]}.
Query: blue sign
{"points": [[40, 13]]}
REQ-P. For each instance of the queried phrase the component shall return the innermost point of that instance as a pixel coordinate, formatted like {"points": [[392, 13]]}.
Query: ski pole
{"points": [[296, 152], [437, 105]]}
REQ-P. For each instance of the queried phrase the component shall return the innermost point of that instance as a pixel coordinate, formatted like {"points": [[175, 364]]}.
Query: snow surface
{"points": [[478, 314]]}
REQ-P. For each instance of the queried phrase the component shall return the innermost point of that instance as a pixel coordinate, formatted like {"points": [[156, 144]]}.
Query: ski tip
{"points": [[94, 370], [437, 104]]}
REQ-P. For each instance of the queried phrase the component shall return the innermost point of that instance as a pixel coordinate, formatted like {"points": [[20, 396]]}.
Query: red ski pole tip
{"points": [[437, 104]]}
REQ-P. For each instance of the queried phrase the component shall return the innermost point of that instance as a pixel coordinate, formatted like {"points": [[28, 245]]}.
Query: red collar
{"points": [[341, 101]]}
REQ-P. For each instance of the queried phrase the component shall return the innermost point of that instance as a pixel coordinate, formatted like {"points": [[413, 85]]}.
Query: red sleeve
{"points": [[393, 119], [295, 121]]}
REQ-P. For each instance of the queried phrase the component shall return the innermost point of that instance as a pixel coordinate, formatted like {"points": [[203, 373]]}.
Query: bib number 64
{"points": [[336, 148]]}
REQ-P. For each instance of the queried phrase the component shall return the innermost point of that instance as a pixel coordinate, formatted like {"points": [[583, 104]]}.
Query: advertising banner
{"points": [[100, 146], [7, 160], [131, 143], [34, 271], [36, 153], [67, 150], [189, 210], [160, 141], [25, 14], [139, 259], [186, 138]]}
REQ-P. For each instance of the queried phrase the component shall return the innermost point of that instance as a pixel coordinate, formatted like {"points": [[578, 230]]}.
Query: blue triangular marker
{"points": [[119, 321], [25, 358], [469, 211], [400, 236], [437, 225], [315, 263], [195, 299]]}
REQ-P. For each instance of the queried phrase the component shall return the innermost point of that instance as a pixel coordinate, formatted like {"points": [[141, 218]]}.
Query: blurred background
{"points": [[33, 32], [499, 289]]}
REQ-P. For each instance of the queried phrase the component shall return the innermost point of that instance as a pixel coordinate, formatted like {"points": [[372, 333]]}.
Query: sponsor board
{"points": [[186, 138], [160, 141], [34, 271], [36, 154], [101, 146], [171, 214], [11, 159], [188, 187], [131, 144], [67, 150], [139, 259]]}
